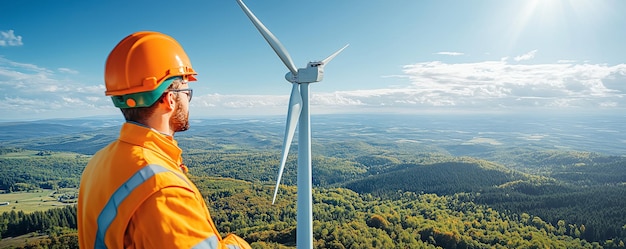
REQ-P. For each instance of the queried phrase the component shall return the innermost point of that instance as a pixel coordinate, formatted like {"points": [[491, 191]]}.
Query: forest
{"points": [[369, 193], [343, 219]]}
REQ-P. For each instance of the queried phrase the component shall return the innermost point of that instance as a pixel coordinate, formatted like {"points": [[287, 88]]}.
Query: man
{"points": [[134, 192]]}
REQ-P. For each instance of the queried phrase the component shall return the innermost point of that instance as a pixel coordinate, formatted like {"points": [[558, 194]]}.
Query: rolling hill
{"points": [[367, 170]]}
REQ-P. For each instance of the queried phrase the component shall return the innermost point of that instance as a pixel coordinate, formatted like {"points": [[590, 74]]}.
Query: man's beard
{"points": [[180, 120]]}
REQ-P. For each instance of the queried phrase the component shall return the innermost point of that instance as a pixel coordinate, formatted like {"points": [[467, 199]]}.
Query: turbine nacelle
{"points": [[314, 72]]}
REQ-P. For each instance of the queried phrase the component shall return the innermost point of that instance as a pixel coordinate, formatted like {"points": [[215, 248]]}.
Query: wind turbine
{"points": [[298, 112]]}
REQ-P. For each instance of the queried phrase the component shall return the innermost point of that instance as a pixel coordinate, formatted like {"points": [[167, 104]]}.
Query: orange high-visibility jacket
{"points": [[133, 194]]}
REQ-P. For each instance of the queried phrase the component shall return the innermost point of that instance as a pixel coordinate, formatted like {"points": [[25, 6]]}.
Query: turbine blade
{"points": [[293, 114], [325, 61], [278, 48]]}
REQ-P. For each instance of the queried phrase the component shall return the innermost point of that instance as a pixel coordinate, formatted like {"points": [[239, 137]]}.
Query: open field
{"points": [[35, 154], [36, 200], [21, 240]]}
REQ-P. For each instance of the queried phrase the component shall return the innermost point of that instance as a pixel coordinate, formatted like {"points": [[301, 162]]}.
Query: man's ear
{"points": [[168, 101]]}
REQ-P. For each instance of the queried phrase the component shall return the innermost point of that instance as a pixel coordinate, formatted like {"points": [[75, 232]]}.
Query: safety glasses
{"points": [[187, 91]]}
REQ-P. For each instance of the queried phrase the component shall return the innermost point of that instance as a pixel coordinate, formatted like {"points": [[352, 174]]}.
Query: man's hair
{"points": [[141, 114]]}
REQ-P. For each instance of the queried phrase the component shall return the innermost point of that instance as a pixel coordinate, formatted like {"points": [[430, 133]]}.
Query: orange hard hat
{"points": [[139, 64]]}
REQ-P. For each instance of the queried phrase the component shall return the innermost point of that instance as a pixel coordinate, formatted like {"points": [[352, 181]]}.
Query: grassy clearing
{"points": [[38, 154], [21, 240], [36, 200]]}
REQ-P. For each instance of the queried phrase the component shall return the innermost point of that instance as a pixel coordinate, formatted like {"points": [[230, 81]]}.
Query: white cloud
{"points": [[479, 86], [27, 89], [498, 85], [526, 56], [566, 61], [483, 84], [67, 70], [9, 39], [450, 53]]}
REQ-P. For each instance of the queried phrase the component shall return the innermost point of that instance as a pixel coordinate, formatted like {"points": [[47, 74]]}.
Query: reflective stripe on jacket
{"points": [[134, 195]]}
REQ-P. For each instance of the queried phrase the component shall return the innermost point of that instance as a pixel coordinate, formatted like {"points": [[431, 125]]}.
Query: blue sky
{"points": [[405, 56]]}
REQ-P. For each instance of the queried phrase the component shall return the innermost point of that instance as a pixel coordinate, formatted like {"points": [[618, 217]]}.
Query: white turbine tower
{"points": [[298, 112]]}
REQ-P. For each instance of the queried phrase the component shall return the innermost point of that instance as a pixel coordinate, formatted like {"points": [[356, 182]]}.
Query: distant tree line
{"points": [[19, 223]]}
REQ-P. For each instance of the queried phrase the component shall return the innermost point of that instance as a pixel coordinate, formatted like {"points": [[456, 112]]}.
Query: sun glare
{"points": [[534, 18]]}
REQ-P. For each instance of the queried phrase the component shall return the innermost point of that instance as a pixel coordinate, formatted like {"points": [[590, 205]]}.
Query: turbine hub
{"points": [[291, 78]]}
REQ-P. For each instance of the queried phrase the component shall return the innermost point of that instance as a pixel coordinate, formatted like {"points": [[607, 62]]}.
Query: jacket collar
{"points": [[146, 137]]}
